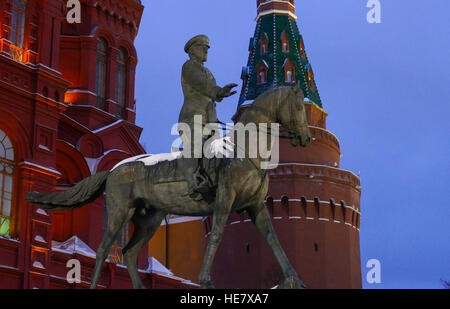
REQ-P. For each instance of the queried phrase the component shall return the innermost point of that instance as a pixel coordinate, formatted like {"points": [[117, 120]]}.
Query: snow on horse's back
{"points": [[220, 148], [151, 159]]}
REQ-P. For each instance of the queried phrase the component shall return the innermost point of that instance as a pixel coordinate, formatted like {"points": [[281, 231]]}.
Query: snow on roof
{"points": [[107, 126], [94, 162], [73, 245], [155, 267]]}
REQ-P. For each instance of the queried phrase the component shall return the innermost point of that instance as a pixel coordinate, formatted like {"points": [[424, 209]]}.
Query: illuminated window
{"points": [[100, 78], [262, 78], [18, 22], [302, 48], [6, 182], [263, 44], [120, 82], [289, 77], [284, 42], [311, 79], [262, 70], [289, 71]]}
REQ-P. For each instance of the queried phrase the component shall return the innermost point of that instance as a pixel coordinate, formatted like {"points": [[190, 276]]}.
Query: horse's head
{"points": [[291, 115]]}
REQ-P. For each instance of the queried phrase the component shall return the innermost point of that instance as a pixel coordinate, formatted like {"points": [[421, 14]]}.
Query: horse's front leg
{"points": [[224, 201], [261, 219]]}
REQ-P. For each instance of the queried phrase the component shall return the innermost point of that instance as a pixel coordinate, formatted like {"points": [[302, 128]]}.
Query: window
{"points": [[17, 32], [302, 49], [284, 42], [263, 44], [6, 182], [100, 78], [262, 78], [120, 82], [262, 70], [263, 49], [18, 22], [311, 79], [289, 71], [289, 77]]}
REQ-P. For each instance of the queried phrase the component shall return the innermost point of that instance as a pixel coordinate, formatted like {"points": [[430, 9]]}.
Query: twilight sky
{"points": [[385, 86]]}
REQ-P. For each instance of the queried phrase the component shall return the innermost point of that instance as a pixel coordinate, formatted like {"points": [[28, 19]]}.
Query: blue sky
{"points": [[385, 86]]}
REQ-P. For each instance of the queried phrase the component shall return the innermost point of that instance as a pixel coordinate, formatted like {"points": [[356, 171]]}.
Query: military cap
{"points": [[199, 39]]}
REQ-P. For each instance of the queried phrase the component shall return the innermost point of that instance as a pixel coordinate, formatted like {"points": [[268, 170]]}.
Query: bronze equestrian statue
{"points": [[146, 194], [200, 94]]}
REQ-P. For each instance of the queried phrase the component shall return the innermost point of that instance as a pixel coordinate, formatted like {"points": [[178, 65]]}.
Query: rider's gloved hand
{"points": [[226, 91]]}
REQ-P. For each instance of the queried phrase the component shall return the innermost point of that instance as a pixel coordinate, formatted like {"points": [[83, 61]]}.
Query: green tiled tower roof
{"points": [[275, 27]]}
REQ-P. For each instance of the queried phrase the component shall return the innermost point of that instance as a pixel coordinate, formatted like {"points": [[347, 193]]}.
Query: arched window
{"points": [[18, 22], [6, 182], [289, 71], [264, 44], [289, 78], [45, 91], [262, 71], [284, 42], [262, 78], [100, 78], [311, 79], [120, 82], [302, 48]]}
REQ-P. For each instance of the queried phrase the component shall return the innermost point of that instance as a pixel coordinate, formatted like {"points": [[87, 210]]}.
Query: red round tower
{"points": [[315, 205]]}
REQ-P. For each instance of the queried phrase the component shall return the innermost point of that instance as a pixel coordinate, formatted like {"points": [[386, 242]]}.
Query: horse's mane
{"points": [[267, 98], [282, 91]]}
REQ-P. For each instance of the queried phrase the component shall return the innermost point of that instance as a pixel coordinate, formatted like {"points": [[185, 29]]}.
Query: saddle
{"points": [[168, 171]]}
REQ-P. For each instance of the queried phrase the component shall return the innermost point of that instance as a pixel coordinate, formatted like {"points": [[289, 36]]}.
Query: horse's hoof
{"points": [[208, 285], [292, 283]]}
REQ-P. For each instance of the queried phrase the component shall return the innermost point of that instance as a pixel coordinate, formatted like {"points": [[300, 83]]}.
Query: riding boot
{"points": [[189, 168]]}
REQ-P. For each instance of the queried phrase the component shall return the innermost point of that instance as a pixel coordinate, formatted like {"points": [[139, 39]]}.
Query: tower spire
{"points": [[277, 55]]}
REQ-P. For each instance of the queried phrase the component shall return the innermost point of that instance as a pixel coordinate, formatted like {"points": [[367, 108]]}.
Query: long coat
{"points": [[200, 93]]}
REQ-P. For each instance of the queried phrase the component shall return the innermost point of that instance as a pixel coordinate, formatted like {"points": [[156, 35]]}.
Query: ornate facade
{"points": [[67, 111]]}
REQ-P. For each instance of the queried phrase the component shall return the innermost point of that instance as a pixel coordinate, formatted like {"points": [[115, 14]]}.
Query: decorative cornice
{"points": [[311, 171]]}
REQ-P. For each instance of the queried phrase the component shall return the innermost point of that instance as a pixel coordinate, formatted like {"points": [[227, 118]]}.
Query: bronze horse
{"points": [[132, 194]]}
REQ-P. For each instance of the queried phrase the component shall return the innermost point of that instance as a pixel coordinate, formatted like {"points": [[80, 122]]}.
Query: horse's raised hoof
{"points": [[208, 285], [292, 283]]}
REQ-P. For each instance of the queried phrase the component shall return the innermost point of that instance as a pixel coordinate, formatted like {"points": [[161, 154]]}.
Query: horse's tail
{"points": [[86, 191]]}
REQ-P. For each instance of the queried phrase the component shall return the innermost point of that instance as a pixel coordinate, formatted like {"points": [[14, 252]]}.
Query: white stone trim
{"points": [[274, 11], [315, 165], [108, 126], [40, 166], [81, 91]]}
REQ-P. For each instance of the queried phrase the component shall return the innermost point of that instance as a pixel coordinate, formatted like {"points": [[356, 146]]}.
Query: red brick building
{"points": [[67, 111]]}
